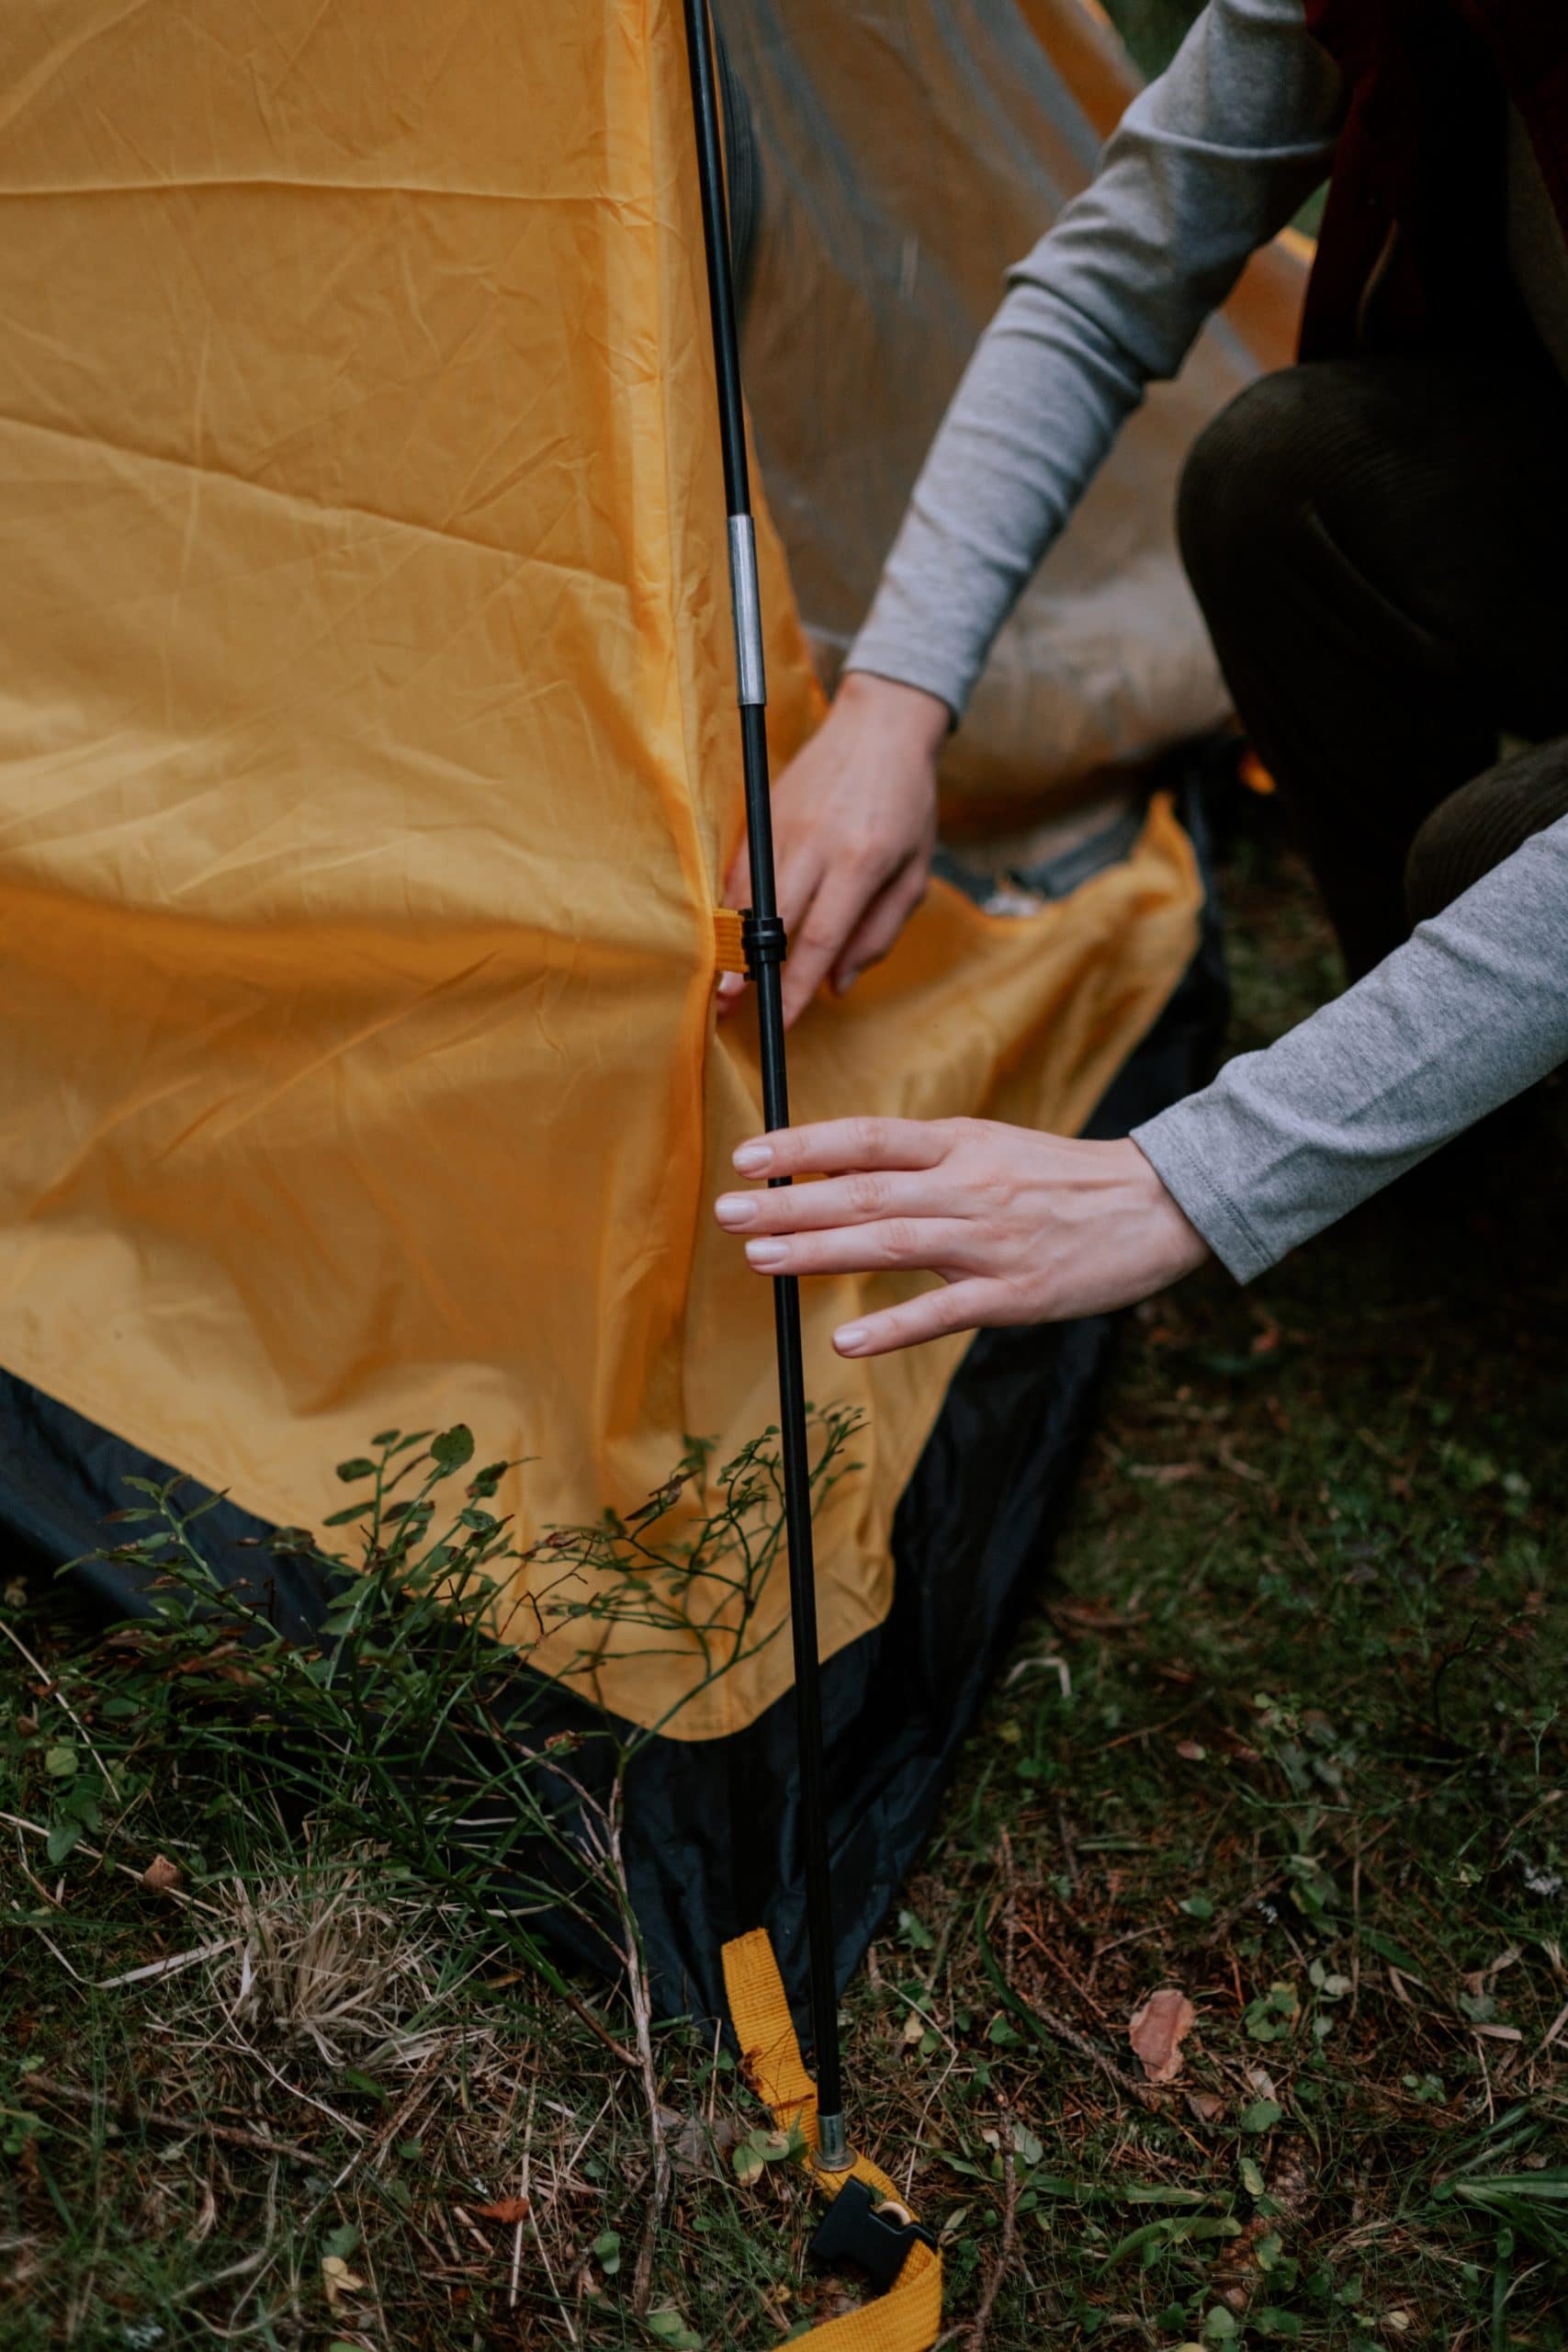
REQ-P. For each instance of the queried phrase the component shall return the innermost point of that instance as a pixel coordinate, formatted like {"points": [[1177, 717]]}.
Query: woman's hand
{"points": [[1022, 1228], [854, 825]]}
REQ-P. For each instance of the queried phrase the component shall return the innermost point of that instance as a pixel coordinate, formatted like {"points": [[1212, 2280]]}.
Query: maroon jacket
{"points": [[1411, 253]]}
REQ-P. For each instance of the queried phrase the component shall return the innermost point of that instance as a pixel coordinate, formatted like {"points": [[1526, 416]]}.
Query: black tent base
{"points": [[711, 1834]]}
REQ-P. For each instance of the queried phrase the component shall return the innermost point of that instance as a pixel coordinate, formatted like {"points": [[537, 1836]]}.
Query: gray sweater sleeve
{"points": [[1470, 1011], [1209, 163]]}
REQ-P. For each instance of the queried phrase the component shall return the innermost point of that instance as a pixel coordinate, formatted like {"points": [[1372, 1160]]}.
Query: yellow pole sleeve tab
{"points": [[907, 2318], [729, 940]]}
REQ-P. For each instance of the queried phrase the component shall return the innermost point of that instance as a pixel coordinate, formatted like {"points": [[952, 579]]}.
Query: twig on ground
{"points": [[1069, 1846], [126, 1869], [52, 1689], [1083, 2048], [426, 2083], [129, 2115], [1007, 2244], [974, 2332], [549, 2274], [642, 2018], [524, 2195]]}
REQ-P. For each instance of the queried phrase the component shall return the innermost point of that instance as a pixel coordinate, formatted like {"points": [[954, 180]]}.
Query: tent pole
{"points": [[766, 950]]}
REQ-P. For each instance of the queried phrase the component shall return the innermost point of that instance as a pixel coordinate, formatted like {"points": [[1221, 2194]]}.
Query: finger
{"points": [[962, 1306], [736, 890], [817, 935], [877, 933], [799, 875], [916, 1245], [834, 1146], [865, 1198]]}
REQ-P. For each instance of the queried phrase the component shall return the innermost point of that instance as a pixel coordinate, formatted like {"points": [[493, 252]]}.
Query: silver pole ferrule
{"points": [[746, 603], [833, 2151]]}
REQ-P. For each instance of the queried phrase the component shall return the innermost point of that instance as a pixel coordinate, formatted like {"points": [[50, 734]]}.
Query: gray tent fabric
{"points": [[906, 152]]}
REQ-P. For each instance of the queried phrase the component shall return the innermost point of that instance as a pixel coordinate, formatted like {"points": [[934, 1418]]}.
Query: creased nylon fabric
{"points": [[367, 765]]}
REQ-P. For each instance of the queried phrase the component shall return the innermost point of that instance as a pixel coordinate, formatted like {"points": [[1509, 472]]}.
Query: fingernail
{"points": [[843, 987], [765, 1255], [731, 984], [752, 1157], [851, 1340], [736, 1208]]}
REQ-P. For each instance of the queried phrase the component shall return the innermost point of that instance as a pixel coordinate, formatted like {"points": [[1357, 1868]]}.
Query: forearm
{"points": [[1039, 406], [1469, 1013], [1208, 164]]}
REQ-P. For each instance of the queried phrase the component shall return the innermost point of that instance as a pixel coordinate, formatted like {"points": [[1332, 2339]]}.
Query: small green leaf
{"points": [[671, 2329], [1386, 1948], [1197, 1907], [60, 1761], [1252, 2177], [450, 1451], [606, 2252], [1261, 2116], [62, 1837], [340, 2242], [357, 1468]]}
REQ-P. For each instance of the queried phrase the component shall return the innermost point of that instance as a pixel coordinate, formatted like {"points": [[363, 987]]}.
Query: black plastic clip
{"points": [[764, 939], [869, 2231]]}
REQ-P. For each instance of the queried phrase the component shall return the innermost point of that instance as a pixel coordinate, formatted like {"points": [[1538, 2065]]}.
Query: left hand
{"points": [[1022, 1228]]}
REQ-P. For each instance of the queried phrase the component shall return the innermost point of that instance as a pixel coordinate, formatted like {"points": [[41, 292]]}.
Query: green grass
{"points": [[1282, 1732]]}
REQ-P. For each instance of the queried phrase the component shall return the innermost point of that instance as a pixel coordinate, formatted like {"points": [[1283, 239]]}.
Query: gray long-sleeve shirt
{"points": [[1209, 163]]}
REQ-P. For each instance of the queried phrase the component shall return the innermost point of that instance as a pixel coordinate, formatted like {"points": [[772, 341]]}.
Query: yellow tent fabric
{"points": [[367, 760]]}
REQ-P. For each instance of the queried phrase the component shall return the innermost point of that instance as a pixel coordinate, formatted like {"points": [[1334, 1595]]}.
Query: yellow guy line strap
{"points": [[909, 2317]]}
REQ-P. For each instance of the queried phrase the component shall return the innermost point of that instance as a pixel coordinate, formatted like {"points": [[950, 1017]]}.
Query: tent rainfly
{"points": [[368, 766]]}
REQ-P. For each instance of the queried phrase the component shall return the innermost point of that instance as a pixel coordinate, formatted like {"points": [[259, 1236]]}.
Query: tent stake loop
{"points": [[766, 948]]}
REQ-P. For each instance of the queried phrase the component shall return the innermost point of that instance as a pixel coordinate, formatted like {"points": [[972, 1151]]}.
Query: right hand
{"points": [[854, 827]]}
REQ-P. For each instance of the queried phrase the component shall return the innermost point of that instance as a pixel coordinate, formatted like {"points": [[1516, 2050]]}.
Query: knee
{"points": [[1471, 833], [1240, 506], [1282, 464]]}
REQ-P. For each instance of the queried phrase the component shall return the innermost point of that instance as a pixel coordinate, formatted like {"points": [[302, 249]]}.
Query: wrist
{"points": [[921, 719], [1176, 1246]]}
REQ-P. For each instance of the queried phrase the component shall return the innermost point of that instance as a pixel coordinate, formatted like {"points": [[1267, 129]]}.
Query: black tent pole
{"points": [[765, 949]]}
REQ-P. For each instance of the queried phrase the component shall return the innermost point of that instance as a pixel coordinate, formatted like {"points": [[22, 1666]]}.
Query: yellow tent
{"points": [[368, 768], [369, 762]]}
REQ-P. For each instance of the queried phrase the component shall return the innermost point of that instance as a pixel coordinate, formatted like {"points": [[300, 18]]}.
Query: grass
{"points": [[1282, 1734]]}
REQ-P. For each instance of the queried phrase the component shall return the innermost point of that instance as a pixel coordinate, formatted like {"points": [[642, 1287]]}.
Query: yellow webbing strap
{"points": [[909, 2317], [729, 940]]}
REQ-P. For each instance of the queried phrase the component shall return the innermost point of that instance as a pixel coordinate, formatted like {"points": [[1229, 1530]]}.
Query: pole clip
{"points": [[873, 2233], [764, 939]]}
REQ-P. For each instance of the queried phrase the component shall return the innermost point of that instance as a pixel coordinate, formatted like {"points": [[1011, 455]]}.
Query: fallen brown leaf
{"points": [[1157, 2031], [339, 2280], [161, 1874], [509, 2210]]}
